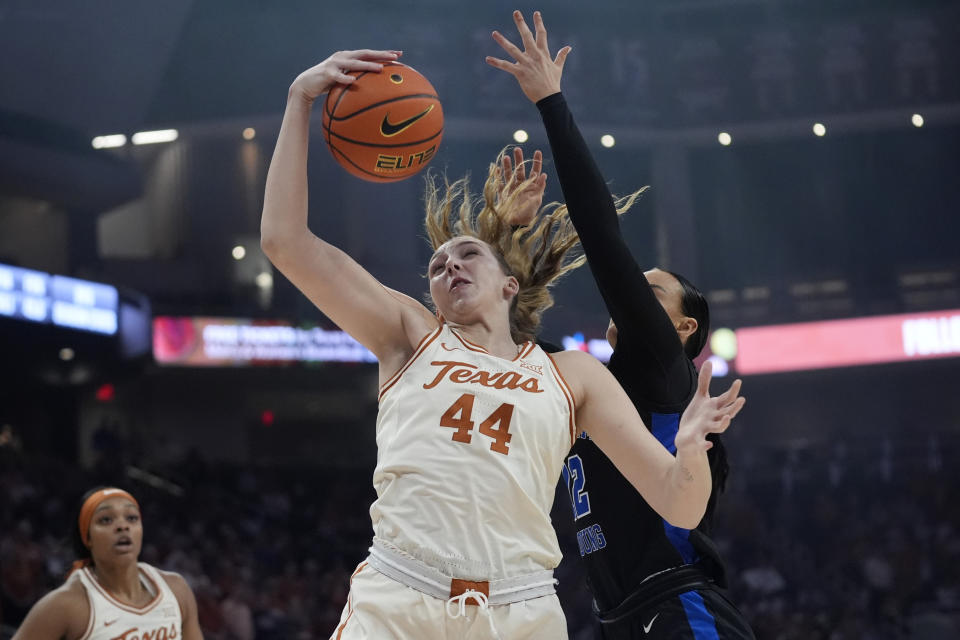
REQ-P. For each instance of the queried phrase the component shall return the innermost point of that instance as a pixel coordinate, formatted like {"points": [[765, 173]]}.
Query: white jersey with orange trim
{"points": [[469, 452], [113, 619]]}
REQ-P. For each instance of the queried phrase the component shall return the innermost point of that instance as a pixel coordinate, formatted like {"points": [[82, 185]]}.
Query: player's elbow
{"points": [[275, 244], [270, 244]]}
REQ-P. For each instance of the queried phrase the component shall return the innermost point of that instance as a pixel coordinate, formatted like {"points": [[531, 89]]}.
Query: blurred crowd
{"points": [[828, 540]]}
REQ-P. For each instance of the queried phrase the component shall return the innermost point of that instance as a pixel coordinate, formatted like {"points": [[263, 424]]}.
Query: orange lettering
{"points": [[508, 381], [470, 375], [447, 365], [532, 385], [485, 378], [462, 375]]}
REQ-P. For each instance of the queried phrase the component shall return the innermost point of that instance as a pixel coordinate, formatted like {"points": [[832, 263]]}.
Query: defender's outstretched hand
{"points": [[538, 73], [523, 193], [319, 79], [705, 414]]}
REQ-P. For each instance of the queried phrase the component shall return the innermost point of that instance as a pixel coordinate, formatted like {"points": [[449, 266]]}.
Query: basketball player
{"points": [[109, 595], [475, 419], [649, 579]]}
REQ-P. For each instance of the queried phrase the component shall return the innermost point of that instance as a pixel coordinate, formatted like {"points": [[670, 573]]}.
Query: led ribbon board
{"points": [[230, 342], [843, 343]]}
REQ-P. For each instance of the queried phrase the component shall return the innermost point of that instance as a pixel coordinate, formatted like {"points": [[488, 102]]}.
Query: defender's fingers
{"points": [[541, 31], [525, 34], [503, 65], [506, 169], [537, 164], [508, 46], [703, 380], [521, 172], [735, 408], [730, 394]]}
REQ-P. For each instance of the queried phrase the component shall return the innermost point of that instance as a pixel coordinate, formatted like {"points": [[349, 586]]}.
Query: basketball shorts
{"points": [[380, 608]]}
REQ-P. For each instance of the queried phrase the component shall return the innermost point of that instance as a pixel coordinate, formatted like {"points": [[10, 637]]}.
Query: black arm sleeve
{"points": [[646, 338]]}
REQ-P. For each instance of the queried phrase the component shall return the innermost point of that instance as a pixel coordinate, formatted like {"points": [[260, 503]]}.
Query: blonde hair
{"points": [[537, 255]]}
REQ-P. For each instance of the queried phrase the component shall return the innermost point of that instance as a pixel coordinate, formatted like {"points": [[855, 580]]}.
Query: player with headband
{"points": [[109, 595]]}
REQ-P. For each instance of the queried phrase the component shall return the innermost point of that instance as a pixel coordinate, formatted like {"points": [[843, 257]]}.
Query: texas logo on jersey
{"points": [[163, 633], [468, 373]]}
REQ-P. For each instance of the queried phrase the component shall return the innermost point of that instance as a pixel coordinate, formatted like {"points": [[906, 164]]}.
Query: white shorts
{"points": [[380, 608]]}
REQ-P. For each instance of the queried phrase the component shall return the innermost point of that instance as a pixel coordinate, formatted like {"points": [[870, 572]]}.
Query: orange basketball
{"points": [[385, 126]]}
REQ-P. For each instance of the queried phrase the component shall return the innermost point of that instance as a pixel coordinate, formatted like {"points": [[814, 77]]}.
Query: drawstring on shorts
{"points": [[460, 604]]}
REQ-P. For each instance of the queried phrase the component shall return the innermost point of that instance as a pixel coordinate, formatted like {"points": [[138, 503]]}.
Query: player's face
{"points": [[670, 295], [115, 531], [466, 278]]}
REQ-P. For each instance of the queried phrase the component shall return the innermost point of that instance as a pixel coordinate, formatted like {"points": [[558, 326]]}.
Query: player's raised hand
{"points": [[538, 74], [705, 414], [319, 79], [521, 195]]}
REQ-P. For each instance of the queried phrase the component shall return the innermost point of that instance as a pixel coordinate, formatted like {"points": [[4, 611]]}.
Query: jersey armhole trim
{"points": [[424, 343], [92, 621], [567, 394]]}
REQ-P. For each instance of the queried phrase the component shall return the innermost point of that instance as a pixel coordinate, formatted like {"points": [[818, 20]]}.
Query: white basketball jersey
{"points": [[111, 619], [469, 451]]}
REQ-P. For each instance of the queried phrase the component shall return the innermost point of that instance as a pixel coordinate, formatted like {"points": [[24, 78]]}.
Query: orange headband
{"points": [[91, 504]]}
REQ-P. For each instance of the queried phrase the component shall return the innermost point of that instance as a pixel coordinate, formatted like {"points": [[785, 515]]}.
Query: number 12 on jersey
{"points": [[496, 426], [576, 481]]}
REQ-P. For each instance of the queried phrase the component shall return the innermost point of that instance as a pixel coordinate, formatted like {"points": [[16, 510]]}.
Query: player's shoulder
{"points": [[70, 595], [65, 610], [174, 580], [576, 363], [578, 368]]}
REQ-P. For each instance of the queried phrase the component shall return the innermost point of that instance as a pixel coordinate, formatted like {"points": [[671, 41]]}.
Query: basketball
{"points": [[384, 126]]}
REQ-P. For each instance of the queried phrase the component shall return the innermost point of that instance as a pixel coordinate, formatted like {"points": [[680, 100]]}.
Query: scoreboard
{"points": [[35, 296]]}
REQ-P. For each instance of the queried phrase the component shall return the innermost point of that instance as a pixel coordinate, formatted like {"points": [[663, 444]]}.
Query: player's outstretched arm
{"points": [[628, 297], [384, 321], [677, 487]]}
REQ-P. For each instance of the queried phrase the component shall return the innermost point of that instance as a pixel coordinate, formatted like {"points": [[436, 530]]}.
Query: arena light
{"points": [[607, 140], [520, 136], [238, 252], [109, 142], [724, 138], [249, 133], [106, 392], [819, 130], [67, 354], [264, 280], [154, 137], [917, 120], [723, 343]]}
